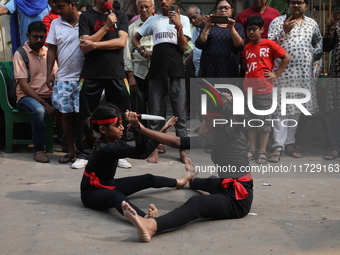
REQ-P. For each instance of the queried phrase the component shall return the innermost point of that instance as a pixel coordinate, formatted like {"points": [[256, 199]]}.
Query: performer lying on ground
{"points": [[99, 189], [231, 194]]}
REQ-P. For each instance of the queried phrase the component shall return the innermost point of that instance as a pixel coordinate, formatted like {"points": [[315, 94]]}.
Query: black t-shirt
{"points": [[166, 62], [103, 64]]}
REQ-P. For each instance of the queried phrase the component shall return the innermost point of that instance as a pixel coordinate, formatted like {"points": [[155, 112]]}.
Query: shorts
{"points": [[65, 97], [258, 122]]}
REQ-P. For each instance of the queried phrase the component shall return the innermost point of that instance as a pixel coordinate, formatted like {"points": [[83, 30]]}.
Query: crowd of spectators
{"points": [[136, 61]]}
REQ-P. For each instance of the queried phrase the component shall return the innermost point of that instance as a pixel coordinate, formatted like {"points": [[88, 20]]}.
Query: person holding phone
{"points": [[300, 36], [221, 43], [171, 32]]}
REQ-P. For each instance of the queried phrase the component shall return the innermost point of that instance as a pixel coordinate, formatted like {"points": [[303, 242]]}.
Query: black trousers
{"points": [[220, 204], [101, 199], [139, 98], [90, 95]]}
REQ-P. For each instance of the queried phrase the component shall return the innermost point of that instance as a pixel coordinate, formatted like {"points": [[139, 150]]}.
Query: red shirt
{"points": [[268, 15], [259, 57], [48, 19]]}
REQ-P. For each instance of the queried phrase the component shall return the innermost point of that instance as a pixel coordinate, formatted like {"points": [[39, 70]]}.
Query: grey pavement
{"points": [[41, 211]]}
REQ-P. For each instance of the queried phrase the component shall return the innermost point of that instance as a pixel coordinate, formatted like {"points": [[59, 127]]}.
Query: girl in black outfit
{"points": [[231, 194], [99, 189]]}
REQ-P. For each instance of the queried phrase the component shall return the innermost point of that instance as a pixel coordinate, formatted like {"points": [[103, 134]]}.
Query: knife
{"points": [[149, 117]]}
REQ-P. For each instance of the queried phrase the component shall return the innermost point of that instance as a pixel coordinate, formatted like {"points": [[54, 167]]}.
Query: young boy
{"points": [[260, 55]]}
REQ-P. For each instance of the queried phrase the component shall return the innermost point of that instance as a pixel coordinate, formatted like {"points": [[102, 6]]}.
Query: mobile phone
{"points": [[290, 13], [173, 9], [219, 19]]}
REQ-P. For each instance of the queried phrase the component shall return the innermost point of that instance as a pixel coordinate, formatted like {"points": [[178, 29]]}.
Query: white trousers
{"points": [[283, 135]]}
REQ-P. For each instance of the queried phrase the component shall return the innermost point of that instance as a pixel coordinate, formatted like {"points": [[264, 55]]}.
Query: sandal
{"points": [[67, 159], [263, 157], [292, 151], [40, 156], [275, 156], [331, 155], [253, 155], [161, 148]]}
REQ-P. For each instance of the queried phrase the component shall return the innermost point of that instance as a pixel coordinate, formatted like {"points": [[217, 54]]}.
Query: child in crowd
{"points": [[260, 55], [231, 194], [99, 189]]}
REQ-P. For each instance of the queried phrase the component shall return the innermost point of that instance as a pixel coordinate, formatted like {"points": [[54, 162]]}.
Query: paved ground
{"points": [[41, 211]]}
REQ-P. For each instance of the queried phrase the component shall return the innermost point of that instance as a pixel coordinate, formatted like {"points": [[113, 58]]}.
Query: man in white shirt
{"points": [[64, 47], [170, 32]]}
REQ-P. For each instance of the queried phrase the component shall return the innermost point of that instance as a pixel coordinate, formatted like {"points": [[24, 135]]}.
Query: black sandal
{"points": [[331, 155], [275, 153], [253, 155], [263, 156], [291, 149]]}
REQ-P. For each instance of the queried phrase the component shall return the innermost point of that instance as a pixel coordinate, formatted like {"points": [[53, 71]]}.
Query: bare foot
{"points": [[146, 227], [183, 156], [153, 158], [189, 175], [152, 213]]}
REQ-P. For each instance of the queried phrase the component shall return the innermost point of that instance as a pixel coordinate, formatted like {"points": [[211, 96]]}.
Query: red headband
{"points": [[107, 121]]}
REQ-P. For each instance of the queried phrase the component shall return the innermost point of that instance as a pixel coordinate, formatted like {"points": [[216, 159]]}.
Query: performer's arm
{"points": [[170, 140]]}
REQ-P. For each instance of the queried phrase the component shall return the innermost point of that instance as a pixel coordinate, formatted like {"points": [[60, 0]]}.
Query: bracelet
{"points": [[43, 102], [205, 32], [179, 28], [140, 48]]}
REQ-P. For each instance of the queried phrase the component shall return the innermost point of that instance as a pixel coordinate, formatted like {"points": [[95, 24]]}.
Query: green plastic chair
{"points": [[13, 115]]}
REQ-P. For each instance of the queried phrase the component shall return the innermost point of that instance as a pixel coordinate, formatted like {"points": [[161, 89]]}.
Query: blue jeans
{"points": [[38, 115]]}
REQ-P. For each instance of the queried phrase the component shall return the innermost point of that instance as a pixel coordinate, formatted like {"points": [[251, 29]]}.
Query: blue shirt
{"points": [[25, 20]]}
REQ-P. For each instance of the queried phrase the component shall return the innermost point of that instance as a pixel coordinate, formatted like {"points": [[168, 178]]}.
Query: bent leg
{"points": [[210, 184], [38, 115]]}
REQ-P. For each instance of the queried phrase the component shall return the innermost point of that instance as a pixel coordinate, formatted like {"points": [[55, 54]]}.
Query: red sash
{"points": [[239, 189], [94, 181]]}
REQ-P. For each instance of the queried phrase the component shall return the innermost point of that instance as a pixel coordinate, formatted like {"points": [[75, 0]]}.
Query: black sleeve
{"points": [[205, 141], [85, 23], [123, 22]]}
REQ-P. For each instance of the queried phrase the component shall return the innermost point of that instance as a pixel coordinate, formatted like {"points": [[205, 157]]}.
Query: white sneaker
{"points": [[79, 163], [123, 163]]}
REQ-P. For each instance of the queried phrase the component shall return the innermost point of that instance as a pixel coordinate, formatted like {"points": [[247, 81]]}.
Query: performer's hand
{"points": [[170, 123], [132, 118]]}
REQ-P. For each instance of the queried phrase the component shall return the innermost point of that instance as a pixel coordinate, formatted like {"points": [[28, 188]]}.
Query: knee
{"points": [[40, 112], [149, 178], [194, 201]]}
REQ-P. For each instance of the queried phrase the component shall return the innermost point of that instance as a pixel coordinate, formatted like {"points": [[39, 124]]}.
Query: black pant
{"points": [[221, 204], [90, 95], [139, 99], [101, 199]]}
